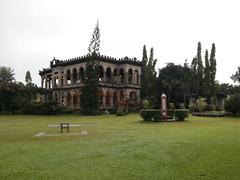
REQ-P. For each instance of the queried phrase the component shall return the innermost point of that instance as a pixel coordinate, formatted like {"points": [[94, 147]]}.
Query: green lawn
{"points": [[120, 148]]}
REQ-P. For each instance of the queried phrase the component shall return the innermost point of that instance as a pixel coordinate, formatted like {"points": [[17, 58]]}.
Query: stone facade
{"points": [[119, 80]]}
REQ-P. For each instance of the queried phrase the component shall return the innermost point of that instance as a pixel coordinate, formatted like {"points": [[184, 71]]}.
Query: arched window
{"points": [[130, 76], [100, 73], [121, 95], [136, 77], [115, 72], [108, 97], [62, 78], [68, 76], [108, 74], [81, 75], [133, 95], [75, 99], [74, 76], [121, 73], [115, 98], [69, 99]]}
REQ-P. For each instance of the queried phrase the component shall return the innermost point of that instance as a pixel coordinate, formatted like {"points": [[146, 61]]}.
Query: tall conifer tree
{"points": [[200, 69], [89, 97], [213, 69], [144, 79]]}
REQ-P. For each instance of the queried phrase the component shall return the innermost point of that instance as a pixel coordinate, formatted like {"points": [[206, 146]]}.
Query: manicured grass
{"points": [[120, 148]]}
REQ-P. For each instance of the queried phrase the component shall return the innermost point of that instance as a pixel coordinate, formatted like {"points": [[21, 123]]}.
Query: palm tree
{"points": [[6, 74]]}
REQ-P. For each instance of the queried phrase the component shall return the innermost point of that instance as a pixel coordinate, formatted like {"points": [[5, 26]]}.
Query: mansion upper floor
{"points": [[70, 73]]}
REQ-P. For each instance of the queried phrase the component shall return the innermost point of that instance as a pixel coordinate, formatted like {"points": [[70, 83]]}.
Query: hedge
{"points": [[151, 114], [171, 112], [181, 114]]}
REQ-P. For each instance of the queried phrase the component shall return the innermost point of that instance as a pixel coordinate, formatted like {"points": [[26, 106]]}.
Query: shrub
{"points": [[171, 106], [146, 104], [233, 104], [182, 106], [170, 112], [192, 107], [201, 104], [47, 108], [146, 115], [112, 111], [151, 114], [121, 111], [181, 114], [157, 115]]}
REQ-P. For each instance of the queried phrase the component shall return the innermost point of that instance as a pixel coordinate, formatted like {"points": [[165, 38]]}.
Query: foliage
{"points": [[46, 108], [201, 104], [207, 80], [232, 104], [213, 70], [6, 74], [211, 114], [94, 45], [173, 80], [89, 97], [171, 112], [197, 71], [121, 108], [181, 114], [171, 106], [236, 77], [151, 114], [182, 106], [14, 97], [146, 104], [192, 107], [90, 102], [148, 76], [28, 78]]}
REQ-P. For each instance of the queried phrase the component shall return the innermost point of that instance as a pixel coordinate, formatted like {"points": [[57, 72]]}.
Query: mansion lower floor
{"points": [[109, 97]]}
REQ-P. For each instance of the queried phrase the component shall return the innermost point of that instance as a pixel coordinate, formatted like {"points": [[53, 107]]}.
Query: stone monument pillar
{"points": [[164, 104]]}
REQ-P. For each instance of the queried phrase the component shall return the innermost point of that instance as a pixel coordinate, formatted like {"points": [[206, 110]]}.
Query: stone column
{"points": [[42, 81], [65, 98], [65, 77], [45, 81], [111, 98], [71, 75], [72, 100]]}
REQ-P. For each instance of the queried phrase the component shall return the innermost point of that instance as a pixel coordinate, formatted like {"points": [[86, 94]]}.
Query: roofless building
{"points": [[119, 80]]}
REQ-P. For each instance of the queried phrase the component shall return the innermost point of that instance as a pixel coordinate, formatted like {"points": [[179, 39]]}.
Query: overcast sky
{"points": [[32, 32]]}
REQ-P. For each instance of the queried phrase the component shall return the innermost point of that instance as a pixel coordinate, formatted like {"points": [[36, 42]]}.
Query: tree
{"points": [[174, 81], [194, 75], [144, 80], [28, 78], [6, 74], [200, 69], [148, 76], [89, 98], [94, 45], [236, 77], [206, 91], [213, 69]]}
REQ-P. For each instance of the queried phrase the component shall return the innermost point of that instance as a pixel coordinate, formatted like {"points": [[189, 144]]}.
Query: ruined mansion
{"points": [[119, 80]]}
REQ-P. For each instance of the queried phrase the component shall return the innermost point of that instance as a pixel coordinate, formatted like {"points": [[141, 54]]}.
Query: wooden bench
{"points": [[64, 126]]}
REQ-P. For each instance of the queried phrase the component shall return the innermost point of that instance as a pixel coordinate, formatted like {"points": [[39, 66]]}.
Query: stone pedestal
{"points": [[164, 104]]}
